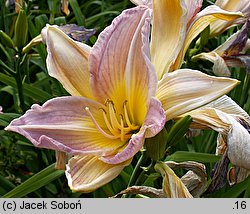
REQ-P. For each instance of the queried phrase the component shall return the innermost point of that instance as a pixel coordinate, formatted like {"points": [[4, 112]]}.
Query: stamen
{"points": [[126, 114], [130, 125], [113, 119], [99, 128], [116, 128], [108, 123], [122, 129]]}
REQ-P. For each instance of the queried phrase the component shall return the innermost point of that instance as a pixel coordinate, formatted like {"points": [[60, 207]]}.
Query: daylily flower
{"points": [[175, 25], [116, 99], [230, 53], [219, 26]]}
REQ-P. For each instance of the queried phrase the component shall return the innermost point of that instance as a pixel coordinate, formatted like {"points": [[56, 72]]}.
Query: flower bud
{"points": [[21, 29]]}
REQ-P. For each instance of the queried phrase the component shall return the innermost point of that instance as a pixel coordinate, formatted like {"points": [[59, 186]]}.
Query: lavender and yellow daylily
{"points": [[122, 93]]}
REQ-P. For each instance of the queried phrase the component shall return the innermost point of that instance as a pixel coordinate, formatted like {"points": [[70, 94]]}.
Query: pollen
{"points": [[117, 126]]}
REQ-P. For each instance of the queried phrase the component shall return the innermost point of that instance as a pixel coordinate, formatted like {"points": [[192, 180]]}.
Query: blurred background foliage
{"points": [[24, 81]]}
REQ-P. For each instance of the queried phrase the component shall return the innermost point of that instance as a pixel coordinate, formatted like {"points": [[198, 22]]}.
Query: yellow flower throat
{"points": [[119, 126]]}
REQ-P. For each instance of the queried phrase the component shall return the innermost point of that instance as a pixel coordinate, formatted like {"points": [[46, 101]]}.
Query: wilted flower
{"points": [[232, 123], [231, 53]]}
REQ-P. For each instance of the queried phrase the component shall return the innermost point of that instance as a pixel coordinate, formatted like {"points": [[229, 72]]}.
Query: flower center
{"points": [[118, 126]]}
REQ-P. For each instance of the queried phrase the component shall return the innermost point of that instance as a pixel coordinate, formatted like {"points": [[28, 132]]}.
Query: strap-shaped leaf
{"points": [[37, 181], [29, 90]]}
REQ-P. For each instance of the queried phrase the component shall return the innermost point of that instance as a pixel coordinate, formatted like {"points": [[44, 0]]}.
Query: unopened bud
{"points": [[21, 29]]}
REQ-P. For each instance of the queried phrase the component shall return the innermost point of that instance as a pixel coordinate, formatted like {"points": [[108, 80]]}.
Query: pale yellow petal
{"points": [[88, 173], [219, 26], [184, 90], [200, 22], [227, 105], [168, 33], [207, 118], [67, 61]]}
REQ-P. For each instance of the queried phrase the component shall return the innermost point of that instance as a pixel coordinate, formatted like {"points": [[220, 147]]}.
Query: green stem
{"points": [[137, 171], [19, 82], [142, 177], [53, 12]]}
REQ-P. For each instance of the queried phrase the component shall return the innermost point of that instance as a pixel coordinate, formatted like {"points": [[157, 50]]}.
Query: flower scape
{"points": [[132, 99]]}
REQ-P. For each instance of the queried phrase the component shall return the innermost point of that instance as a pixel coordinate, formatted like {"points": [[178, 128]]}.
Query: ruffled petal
{"points": [[153, 124], [168, 33], [184, 90], [120, 66], [199, 23], [63, 124], [88, 173], [67, 61]]}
